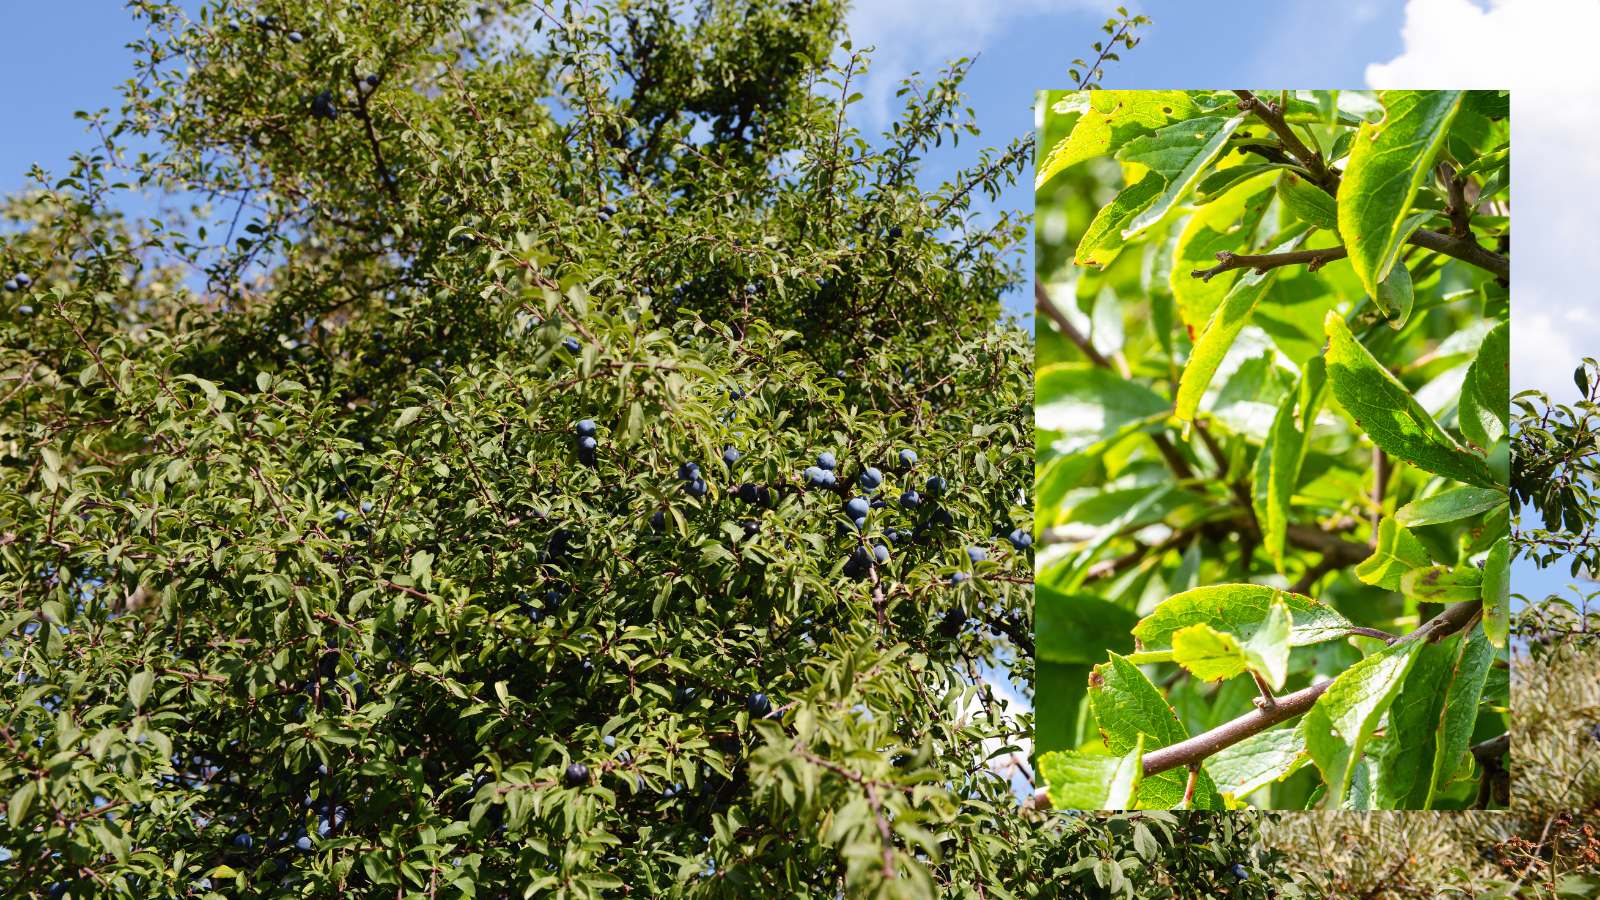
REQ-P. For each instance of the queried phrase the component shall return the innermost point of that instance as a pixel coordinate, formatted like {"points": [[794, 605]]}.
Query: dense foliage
{"points": [[1271, 448], [554, 454]]}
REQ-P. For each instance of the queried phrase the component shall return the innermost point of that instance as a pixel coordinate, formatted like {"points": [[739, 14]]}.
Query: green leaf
{"points": [[1398, 553], [1223, 329], [407, 416], [139, 684], [1308, 203], [1109, 120], [1088, 404], [1492, 372], [1489, 104], [1241, 610], [1222, 181], [1126, 705], [1177, 153], [1212, 655], [1230, 225], [1093, 781], [1395, 296], [1478, 425], [1407, 760], [1104, 239], [1079, 628], [21, 803], [1461, 709], [1337, 726], [1391, 416], [1257, 761], [1208, 654], [1449, 506], [1497, 593], [1388, 163], [1442, 584], [1283, 454]]}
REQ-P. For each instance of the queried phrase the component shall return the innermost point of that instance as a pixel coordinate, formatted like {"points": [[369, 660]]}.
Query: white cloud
{"points": [[1541, 51], [921, 35]]}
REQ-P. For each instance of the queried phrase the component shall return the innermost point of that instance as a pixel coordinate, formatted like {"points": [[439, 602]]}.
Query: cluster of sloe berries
{"points": [[586, 441], [322, 106], [18, 282], [694, 485], [821, 475], [607, 211]]}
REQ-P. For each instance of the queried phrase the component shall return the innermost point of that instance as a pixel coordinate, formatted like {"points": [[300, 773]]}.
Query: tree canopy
{"points": [[535, 452]]}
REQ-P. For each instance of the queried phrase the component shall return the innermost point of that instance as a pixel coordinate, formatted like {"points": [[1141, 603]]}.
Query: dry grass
{"points": [[1389, 853], [1555, 766], [1555, 721]]}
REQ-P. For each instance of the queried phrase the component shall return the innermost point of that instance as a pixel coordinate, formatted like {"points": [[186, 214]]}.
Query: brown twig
{"points": [[1463, 248], [1043, 303], [1196, 749], [1272, 116], [1459, 210]]}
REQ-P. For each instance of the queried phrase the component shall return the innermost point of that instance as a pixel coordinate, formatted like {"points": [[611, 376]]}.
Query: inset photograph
{"points": [[1272, 458]]}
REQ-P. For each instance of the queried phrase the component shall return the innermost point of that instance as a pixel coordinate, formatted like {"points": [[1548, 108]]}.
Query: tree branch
{"points": [[1198, 748], [1459, 210], [1464, 248], [1273, 117], [1043, 303]]}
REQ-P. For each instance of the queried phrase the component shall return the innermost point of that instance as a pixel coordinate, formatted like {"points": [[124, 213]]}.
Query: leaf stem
{"points": [[1266, 701]]}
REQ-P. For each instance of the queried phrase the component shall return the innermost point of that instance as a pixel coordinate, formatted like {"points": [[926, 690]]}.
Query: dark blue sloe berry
{"points": [[572, 345], [750, 288], [688, 471], [1021, 538], [658, 520], [935, 486], [825, 460], [22, 279], [730, 456], [751, 527], [577, 775], [609, 209], [880, 553], [585, 428], [871, 479], [587, 443], [244, 842], [856, 507], [908, 458], [11, 285], [977, 554], [1240, 873], [894, 232], [958, 577], [813, 476], [941, 516], [696, 488], [758, 705], [910, 500], [295, 37]]}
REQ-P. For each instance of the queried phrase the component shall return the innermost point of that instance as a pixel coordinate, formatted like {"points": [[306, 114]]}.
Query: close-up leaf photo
{"points": [[1271, 449]]}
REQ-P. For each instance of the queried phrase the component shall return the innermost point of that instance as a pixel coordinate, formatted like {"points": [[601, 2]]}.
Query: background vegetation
{"points": [[555, 455]]}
